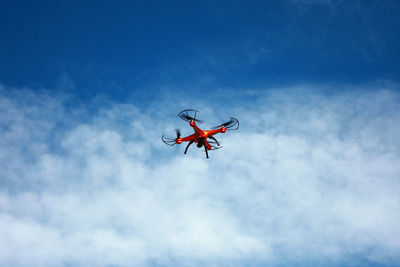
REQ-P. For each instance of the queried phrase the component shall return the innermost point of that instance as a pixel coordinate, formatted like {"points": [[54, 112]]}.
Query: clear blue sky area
{"points": [[121, 47]]}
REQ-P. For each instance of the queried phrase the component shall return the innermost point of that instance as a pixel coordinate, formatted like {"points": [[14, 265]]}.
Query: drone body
{"points": [[200, 137]]}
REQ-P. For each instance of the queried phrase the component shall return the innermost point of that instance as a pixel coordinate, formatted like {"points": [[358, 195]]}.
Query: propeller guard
{"points": [[168, 141], [232, 124], [189, 115]]}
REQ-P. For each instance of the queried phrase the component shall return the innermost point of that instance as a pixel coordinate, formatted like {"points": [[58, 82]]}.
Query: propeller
{"points": [[184, 115], [189, 118], [232, 124], [171, 141], [178, 133]]}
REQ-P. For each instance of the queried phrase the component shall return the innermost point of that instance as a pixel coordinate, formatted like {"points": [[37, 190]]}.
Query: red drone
{"points": [[200, 136]]}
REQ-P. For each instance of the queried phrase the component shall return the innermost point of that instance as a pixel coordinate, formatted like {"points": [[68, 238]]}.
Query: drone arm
{"points": [[188, 138], [194, 126], [219, 130]]}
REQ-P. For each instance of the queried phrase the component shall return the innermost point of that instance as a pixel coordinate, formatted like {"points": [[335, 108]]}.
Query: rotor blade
{"points": [[189, 118], [178, 133], [232, 124], [184, 115], [222, 125]]}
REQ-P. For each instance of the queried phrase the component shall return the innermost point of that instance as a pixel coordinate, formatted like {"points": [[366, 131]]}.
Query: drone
{"points": [[203, 138]]}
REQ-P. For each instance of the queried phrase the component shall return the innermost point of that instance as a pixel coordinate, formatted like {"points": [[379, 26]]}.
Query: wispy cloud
{"points": [[308, 178]]}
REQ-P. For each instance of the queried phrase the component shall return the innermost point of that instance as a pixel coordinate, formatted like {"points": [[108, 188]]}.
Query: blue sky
{"points": [[118, 48], [310, 179]]}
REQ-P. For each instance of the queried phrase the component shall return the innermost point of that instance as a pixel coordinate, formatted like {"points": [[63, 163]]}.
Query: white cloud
{"points": [[307, 178]]}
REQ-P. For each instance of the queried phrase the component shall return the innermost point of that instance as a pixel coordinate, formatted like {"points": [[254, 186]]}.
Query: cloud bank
{"points": [[309, 178]]}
